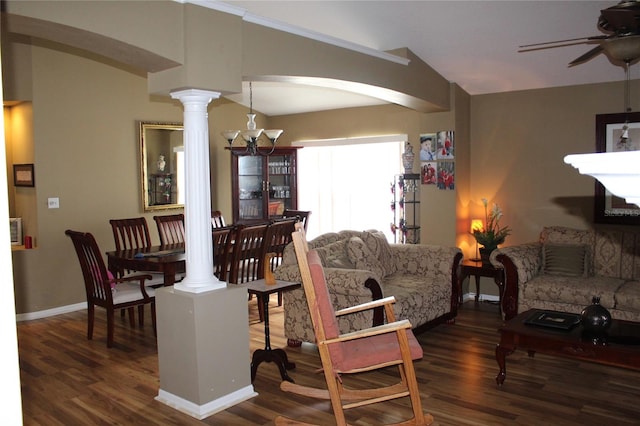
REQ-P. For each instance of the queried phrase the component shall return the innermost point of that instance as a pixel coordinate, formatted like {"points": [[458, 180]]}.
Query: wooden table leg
{"points": [[501, 354], [267, 354]]}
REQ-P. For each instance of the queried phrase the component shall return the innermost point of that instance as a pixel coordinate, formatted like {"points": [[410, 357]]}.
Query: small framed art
{"points": [[23, 175]]}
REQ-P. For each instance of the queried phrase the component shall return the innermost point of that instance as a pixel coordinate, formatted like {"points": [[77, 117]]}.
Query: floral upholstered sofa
{"points": [[567, 267], [361, 266]]}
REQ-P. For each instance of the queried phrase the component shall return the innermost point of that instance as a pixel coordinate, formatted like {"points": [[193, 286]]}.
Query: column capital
{"points": [[195, 95]]}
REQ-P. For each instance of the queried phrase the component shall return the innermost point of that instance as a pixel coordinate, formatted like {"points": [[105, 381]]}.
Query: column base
{"points": [[203, 367], [201, 412]]}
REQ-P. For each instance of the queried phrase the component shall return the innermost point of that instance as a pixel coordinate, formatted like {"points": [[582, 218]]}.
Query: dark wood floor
{"points": [[68, 380]]}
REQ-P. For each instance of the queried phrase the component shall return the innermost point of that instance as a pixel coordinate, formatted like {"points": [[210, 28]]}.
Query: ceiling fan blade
{"points": [[564, 41], [587, 56]]}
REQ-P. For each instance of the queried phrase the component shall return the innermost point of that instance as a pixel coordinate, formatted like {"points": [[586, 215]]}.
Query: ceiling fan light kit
{"points": [[625, 49]]}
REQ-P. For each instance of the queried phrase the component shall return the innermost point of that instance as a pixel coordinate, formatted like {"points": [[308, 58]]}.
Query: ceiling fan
{"points": [[622, 41]]}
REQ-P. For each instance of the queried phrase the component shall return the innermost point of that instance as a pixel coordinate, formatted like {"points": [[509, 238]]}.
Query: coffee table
{"points": [[621, 346]]}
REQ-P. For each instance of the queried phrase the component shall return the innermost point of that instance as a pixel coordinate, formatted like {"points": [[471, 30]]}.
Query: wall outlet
{"points": [[53, 203]]}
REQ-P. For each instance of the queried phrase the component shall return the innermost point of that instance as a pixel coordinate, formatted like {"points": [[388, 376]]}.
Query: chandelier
{"points": [[252, 135]]}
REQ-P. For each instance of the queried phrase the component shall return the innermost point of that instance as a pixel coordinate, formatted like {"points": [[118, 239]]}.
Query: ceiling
{"points": [[471, 43]]}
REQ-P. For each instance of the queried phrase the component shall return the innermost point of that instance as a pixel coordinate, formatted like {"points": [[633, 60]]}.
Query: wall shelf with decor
{"points": [[406, 208]]}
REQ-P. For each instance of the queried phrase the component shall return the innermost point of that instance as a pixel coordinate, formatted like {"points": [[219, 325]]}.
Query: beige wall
{"points": [[509, 149], [86, 153], [519, 140]]}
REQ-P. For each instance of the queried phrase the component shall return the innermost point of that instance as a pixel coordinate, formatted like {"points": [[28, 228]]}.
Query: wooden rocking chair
{"points": [[365, 350]]}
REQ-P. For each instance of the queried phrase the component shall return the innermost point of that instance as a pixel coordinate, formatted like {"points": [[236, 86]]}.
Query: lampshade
{"points": [[476, 225]]}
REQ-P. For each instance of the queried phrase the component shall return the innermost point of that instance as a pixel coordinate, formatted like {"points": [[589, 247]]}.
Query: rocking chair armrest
{"points": [[371, 331], [365, 306]]}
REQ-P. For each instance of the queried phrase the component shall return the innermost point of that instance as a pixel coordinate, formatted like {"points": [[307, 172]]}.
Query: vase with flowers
{"points": [[492, 234]]}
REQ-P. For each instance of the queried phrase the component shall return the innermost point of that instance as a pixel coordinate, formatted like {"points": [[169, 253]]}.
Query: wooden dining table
{"points": [[168, 259]]}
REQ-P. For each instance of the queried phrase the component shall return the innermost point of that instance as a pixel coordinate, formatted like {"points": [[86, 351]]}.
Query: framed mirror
{"points": [[161, 165]]}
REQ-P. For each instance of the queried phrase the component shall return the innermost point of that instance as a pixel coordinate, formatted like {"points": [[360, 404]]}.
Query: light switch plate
{"points": [[53, 203]]}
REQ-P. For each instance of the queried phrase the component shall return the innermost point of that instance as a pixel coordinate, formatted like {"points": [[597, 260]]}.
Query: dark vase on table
{"points": [[485, 253], [595, 320]]}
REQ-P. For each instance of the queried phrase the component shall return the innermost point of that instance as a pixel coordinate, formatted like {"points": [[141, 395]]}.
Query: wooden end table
{"points": [[262, 290], [479, 269], [620, 348]]}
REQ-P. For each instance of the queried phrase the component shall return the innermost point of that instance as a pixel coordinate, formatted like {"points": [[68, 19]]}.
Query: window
{"points": [[346, 183]]}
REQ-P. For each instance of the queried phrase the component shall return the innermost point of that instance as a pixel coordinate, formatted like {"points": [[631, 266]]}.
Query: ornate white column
{"points": [[197, 206]]}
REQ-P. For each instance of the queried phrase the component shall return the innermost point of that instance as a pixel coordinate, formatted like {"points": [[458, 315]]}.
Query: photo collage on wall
{"points": [[437, 159]]}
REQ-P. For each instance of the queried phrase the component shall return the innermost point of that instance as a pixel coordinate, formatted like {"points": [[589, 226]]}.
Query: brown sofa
{"points": [[567, 267], [361, 266]]}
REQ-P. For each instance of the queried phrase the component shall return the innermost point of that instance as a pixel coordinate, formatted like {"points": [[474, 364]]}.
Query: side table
{"points": [[262, 290], [479, 269]]}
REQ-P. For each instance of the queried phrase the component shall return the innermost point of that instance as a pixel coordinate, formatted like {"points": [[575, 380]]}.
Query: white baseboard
{"points": [[51, 312], [483, 297], [203, 411]]}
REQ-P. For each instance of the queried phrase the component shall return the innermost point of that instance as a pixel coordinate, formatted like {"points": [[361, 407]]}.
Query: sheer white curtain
{"points": [[346, 183]]}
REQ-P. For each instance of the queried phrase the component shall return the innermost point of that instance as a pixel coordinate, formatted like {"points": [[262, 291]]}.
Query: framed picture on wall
{"points": [[609, 129], [23, 175]]}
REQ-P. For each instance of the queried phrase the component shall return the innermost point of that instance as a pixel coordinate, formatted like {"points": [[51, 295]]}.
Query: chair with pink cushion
{"points": [[357, 352]]}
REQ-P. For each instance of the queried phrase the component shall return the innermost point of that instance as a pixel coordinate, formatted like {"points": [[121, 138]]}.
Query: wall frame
{"points": [[609, 208], [23, 175]]}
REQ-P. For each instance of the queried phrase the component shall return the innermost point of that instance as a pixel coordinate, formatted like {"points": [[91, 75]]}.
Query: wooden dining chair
{"points": [[107, 292], [217, 220], [303, 216], [246, 257], [277, 237], [133, 234], [247, 261], [356, 352], [170, 228], [222, 245]]}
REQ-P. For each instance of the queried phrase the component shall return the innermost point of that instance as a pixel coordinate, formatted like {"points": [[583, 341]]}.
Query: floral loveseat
{"points": [[361, 266], [567, 267]]}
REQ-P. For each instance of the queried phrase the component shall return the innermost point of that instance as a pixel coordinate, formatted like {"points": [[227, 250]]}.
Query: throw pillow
{"points": [[379, 246], [565, 259], [335, 255], [361, 256]]}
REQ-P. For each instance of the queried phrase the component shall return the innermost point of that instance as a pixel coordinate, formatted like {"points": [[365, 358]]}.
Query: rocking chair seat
{"points": [[360, 354]]}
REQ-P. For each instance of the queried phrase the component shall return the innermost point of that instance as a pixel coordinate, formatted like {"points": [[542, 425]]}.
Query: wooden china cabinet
{"points": [[263, 186]]}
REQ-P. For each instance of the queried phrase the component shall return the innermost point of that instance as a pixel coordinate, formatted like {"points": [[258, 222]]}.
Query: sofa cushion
{"points": [[628, 296], [573, 290], [565, 259], [361, 256], [335, 255], [379, 246]]}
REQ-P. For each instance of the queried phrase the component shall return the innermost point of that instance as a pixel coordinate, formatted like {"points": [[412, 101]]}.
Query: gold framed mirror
{"points": [[161, 165]]}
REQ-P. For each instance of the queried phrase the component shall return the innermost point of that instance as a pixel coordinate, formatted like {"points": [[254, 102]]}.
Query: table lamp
{"points": [[476, 225]]}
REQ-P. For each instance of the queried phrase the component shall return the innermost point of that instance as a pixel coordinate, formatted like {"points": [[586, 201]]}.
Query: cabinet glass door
{"points": [[280, 190], [251, 186]]}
